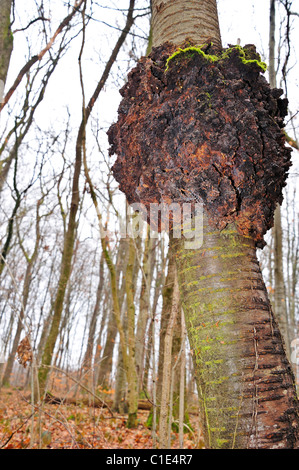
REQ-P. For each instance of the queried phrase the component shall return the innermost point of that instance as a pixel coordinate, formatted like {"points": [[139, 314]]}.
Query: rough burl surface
{"points": [[203, 131]]}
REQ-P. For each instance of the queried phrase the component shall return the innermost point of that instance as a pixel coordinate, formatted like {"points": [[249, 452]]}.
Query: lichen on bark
{"points": [[192, 129]]}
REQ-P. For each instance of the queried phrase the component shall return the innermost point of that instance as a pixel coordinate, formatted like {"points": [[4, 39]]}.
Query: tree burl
{"points": [[203, 125]]}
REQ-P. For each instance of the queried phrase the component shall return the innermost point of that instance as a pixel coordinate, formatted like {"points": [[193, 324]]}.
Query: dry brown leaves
{"points": [[24, 352], [70, 426]]}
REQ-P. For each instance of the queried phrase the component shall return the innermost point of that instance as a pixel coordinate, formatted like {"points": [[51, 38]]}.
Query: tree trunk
{"points": [[144, 310], [105, 366], [167, 294], [87, 361], [279, 285], [6, 41], [245, 382], [167, 367], [176, 21], [131, 364], [246, 385]]}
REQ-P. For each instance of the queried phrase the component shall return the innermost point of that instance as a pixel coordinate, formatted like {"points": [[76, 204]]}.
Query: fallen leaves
{"points": [[69, 426]]}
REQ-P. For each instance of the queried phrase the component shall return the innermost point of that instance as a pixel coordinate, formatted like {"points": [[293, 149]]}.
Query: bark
{"points": [[144, 310], [105, 366], [271, 68], [245, 382], [175, 21], [87, 361], [131, 360], [167, 295], [120, 402], [165, 416], [279, 285], [6, 39], [182, 394]]}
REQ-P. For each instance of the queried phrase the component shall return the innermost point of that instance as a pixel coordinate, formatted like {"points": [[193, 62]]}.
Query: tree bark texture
{"points": [[167, 295], [245, 382], [144, 309], [131, 360], [279, 285], [6, 38], [178, 20], [165, 416]]}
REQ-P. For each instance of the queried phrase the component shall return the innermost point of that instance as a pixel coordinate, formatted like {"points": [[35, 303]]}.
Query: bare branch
{"points": [[39, 57]]}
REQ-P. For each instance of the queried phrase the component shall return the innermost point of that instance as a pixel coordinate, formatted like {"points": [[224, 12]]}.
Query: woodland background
{"points": [[83, 57]]}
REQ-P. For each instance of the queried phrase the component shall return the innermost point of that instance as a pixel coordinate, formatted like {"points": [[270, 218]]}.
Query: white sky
{"points": [[247, 20]]}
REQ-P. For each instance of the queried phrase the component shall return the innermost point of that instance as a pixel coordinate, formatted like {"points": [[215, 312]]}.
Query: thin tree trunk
{"points": [[167, 295], [6, 40], [271, 67], [87, 361], [144, 309], [182, 395], [279, 285], [179, 395], [120, 402], [131, 369], [105, 367], [166, 379]]}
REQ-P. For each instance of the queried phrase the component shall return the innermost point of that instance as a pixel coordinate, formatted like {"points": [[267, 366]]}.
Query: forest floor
{"points": [[74, 426]]}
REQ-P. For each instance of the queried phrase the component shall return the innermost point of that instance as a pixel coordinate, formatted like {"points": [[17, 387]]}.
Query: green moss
{"points": [[218, 429], [190, 51], [212, 363], [243, 55], [221, 442]]}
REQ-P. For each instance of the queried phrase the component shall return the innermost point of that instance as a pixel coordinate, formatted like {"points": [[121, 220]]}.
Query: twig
{"points": [[38, 57], [14, 432], [31, 22], [84, 388]]}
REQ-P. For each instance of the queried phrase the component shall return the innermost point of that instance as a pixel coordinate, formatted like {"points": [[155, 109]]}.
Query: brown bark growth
{"points": [[203, 128]]}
